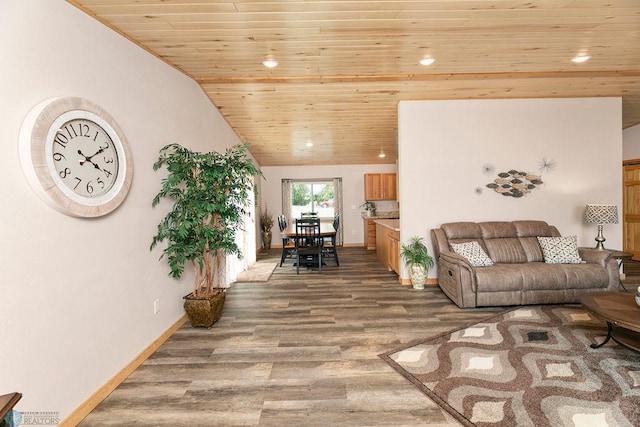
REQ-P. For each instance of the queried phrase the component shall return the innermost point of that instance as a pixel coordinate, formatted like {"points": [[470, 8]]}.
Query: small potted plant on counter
{"points": [[418, 261], [369, 208]]}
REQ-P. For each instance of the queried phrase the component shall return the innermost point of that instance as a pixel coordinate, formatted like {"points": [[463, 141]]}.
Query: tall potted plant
{"points": [[210, 192], [418, 261]]}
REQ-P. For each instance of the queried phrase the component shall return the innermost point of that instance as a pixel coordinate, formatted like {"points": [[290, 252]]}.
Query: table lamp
{"points": [[601, 214]]}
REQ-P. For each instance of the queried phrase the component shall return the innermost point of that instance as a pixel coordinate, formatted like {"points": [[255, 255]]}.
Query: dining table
{"points": [[326, 230]]}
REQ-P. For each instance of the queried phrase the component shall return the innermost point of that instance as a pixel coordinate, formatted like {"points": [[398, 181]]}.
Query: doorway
{"points": [[631, 207]]}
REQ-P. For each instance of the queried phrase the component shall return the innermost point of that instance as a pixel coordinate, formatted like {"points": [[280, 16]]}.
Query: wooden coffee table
{"points": [[621, 313]]}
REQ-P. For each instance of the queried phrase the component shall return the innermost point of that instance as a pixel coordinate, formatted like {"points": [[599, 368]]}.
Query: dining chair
{"points": [[288, 246], [308, 243], [329, 246]]}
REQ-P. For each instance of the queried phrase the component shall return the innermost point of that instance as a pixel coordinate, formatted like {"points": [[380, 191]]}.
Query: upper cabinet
{"points": [[380, 186]]}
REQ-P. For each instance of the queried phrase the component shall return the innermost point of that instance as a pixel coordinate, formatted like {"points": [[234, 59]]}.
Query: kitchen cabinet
{"points": [[393, 254], [388, 245], [370, 234], [380, 186]]}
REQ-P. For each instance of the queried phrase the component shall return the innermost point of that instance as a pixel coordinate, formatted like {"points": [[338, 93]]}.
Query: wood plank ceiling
{"points": [[345, 65]]}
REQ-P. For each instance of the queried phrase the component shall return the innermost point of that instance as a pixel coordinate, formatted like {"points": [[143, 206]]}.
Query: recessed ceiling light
{"points": [[309, 144], [580, 58], [427, 61], [381, 155], [270, 63]]}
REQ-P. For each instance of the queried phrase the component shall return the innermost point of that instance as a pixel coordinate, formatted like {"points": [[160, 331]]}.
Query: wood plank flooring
{"points": [[299, 350]]}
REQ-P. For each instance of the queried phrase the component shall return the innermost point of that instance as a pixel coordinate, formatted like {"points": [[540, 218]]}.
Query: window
{"points": [[323, 196], [313, 196]]}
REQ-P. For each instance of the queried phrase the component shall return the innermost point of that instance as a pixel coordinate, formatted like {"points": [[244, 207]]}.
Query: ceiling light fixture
{"points": [[427, 61], [381, 155], [580, 59], [270, 63], [309, 144]]}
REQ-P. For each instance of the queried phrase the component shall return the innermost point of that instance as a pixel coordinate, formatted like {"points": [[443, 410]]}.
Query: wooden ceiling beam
{"points": [[423, 77]]}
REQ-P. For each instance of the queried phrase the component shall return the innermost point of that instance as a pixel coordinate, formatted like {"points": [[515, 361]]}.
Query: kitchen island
{"points": [[370, 226], [388, 243]]}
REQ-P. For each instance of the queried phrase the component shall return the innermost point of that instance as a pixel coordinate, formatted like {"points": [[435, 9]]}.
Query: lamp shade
{"points": [[601, 214]]}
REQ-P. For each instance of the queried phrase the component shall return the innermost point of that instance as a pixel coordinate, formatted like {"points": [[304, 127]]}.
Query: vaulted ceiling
{"points": [[345, 65]]}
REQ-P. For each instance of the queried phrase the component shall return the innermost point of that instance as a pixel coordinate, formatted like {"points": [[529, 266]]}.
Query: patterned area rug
{"points": [[530, 366]]}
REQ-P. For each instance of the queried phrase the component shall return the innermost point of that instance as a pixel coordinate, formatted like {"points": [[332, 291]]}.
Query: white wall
{"points": [[352, 189], [631, 143], [443, 146], [77, 294]]}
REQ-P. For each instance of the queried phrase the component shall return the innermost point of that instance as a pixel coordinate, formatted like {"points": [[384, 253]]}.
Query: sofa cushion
{"points": [[532, 228], [532, 249], [505, 250], [528, 231], [462, 230], [560, 250], [497, 229], [540, 276], [472, 252]]}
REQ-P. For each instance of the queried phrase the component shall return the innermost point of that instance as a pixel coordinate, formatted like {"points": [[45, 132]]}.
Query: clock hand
{"points": [[88, 159]]}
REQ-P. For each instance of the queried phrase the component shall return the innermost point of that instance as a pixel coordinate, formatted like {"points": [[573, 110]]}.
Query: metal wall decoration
{"points": [[488, 169], [547, 165], [515, 183]]}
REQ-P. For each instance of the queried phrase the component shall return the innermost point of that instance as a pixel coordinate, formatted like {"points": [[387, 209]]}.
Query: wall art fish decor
{"points": [[515, 183]]}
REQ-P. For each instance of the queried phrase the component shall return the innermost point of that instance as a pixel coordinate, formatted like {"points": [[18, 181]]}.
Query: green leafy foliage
{"points": [[300, 194], [210, 194], [369, 206], [327, 193], [416, 253]]}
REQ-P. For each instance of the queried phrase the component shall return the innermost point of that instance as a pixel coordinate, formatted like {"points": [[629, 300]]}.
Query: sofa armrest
{"points": [[455, 258], [594, 256], [457, 279], [603, 258]]}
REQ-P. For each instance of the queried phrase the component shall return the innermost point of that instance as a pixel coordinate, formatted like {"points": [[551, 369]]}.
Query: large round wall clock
{"points": [[75, 156]]}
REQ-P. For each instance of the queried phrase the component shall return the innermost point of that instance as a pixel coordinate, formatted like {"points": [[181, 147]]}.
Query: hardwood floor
{"points": [[299, 350]]}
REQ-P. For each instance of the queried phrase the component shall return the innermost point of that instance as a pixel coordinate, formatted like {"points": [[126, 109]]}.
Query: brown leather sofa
{"points": [[519, 275]]}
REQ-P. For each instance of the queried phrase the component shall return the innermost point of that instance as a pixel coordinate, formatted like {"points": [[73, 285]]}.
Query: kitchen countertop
{"points": [[393, 224], [382, 215]]}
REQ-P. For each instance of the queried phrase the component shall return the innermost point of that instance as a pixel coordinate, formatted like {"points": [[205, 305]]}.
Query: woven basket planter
{"points": [[204, 311]]}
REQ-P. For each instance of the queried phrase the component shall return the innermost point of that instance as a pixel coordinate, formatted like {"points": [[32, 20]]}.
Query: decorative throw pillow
{"points": [[560, 250], [473, 252]]}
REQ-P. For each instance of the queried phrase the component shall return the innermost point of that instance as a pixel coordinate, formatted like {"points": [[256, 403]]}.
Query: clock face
{"points": [[75, 157], [83, 157]]}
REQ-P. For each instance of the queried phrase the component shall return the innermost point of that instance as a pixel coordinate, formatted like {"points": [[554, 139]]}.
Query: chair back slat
{"points": [[308, 229], [288, 246], [282, 223], [308, 242], [330, 244]]}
